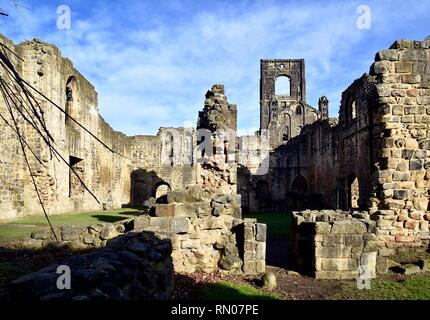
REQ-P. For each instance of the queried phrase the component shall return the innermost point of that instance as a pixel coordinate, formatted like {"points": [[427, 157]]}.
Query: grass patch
{"points": [[413, 288], [278, 224], [24, 227], [226, 290]]}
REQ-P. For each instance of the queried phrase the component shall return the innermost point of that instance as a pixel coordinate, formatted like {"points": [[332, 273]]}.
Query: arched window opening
{"points": [[353, 192], [76, 175], [167, 150], [286, 134], [71, 99], [161, 192], [299, 110], [353, 110], [283, 86], [300, 185]]}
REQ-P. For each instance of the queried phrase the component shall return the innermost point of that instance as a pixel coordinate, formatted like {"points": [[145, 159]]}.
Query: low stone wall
{"points": [[133, 266], [334, 244], [78, 238], [208, 233]]}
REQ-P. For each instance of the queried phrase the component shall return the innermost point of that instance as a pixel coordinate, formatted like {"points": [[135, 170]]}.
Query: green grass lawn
{"points": [[415, 287], [227, 290], [278, 224], [25, 226]]}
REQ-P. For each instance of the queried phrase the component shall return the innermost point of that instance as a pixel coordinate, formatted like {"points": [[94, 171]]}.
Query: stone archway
{"points": [[160, 192], [299, 189], [299, 184]]}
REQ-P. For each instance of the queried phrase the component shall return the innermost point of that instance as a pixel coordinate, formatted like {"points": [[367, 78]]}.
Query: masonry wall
{"points": [[402, 181], [105, 173], [167, 159]]}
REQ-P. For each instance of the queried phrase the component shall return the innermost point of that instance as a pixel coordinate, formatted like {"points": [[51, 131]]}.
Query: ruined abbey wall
{"points": [[105, 173], [382, 141]]}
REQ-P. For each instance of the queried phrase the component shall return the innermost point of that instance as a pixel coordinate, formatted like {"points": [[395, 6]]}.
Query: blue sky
{"points": [[152, 61]]}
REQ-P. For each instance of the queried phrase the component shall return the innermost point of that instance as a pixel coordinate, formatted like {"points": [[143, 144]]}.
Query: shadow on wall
{"points": [[274, 192], [188, 289], [146, 184]]}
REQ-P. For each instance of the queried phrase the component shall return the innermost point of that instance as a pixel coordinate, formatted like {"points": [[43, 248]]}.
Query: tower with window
{"points": [[283, 108]]}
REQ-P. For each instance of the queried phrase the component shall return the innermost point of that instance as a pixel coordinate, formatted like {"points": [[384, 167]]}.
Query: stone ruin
{"points": [[334, 244], [131, 266], [370, 166]]}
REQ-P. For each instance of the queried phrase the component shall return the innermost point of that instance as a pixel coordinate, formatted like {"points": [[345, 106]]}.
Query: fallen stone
{"points": [[32, 244], [268, 281], [69, 234], [109, 232], [406, 269], [42, 235], [425, 265], [141, 222]]}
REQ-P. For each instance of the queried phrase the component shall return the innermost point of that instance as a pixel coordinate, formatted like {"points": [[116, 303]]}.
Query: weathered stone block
{"points": [[354, 240], [261, 251], [141, 222], [190, 244], [180, 225], [425, 265], [161, 222], [109, 232], [211, 223], [339, 264], [400, 194], [175, 196], [349, 227], [333, 240], [415, 165], [421, 203], [420, 154], [165, 210], [250, 267], [381, 67], [261, 266], [339, 275], [368, 263], [261, 232], [332, 252], [401, 176], [250, 245], [386, 252], [322, 227], [388, 54], [42, 235]]}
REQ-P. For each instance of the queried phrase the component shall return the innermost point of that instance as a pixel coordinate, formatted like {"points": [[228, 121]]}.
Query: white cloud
{"points": [[156, 74]]}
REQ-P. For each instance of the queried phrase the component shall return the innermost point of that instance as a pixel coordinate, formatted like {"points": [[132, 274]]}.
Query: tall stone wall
{"points": [[105, 173], [402, 181], [376, 158]]}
